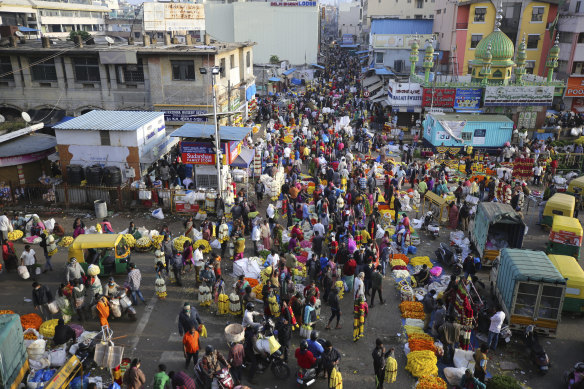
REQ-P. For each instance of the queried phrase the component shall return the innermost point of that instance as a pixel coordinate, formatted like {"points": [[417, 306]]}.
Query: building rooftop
{"points": [[401, 26], [471, 117], [57, 5], [110, 121], [57, 45]]}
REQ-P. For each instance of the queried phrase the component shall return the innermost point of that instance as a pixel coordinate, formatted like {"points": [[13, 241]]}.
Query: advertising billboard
{"points": [[468, 98], [575, 87], [518, 95], [197, 153], [174, 17], [438, 97]]}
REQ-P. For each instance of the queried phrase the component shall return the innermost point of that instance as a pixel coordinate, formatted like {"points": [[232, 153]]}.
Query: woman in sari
{"points": [[453, 216], [78, 228], [190, 229]]}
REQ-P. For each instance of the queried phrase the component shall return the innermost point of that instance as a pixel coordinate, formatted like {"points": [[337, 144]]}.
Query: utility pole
{"points": [[229, 108]]}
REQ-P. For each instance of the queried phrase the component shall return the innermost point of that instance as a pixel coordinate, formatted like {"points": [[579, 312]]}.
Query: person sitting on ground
{"points": [[63, 333], [423, 276]]}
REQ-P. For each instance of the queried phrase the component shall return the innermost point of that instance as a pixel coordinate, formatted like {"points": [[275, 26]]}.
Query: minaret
{"points": [[520, 62], [428, 61], [552, 59], [499, 17], [486, 71], [414, 58]]}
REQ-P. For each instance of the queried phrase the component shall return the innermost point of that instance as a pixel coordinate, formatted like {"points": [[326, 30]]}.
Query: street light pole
{"points": [[218, 161]]}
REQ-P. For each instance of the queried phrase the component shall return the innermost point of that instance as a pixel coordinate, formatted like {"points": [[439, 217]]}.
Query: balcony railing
{"points": [[462, 26]]}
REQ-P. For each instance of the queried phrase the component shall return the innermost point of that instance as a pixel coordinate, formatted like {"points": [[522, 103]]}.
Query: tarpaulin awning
{"points": [[361, 52], [296, 81], [250, 92], [26, 29], [244, 158], [374, 87], [197, 130], [317, 66], [383, 72], [543, 135], [289, 71], [370, 81], [348, 46], [274, 79]]}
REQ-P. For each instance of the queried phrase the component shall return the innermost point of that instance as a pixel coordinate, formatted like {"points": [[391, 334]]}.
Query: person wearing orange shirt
{"points": [[191, 346], [103, 310]]}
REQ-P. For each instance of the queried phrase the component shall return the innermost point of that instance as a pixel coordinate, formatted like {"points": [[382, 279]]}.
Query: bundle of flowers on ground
{"points": [[6, 312], [421, 336], [412, 309], [179, 242], [422, 363], [157, 240], [410, 330], [143, 244], [431, 382], [47, 329], [420, 344], [15, 235], [31, 320], [204, 243], [419, 261], [397, 262], [130, 240]]}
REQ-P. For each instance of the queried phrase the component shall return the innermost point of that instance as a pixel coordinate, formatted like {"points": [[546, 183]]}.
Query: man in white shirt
{"points": [[199, 261], [495, 329], [359, 286], [248, 316], [5, 227], [287, 152], [28, 259], [272, 259], [319, 227]]}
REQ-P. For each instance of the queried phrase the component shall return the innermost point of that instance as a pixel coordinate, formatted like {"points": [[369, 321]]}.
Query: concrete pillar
{"points": [[146, 39]]}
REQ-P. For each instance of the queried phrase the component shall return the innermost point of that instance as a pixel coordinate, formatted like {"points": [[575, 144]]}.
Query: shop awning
{"points": [[361, 52], [274, 79], [348, 46], [289, 71], [296, 81], [370, 81], [374, 87], [543, 135], [26, 29], [383, 72], [204, 131], [317, 66], [244, 159]]}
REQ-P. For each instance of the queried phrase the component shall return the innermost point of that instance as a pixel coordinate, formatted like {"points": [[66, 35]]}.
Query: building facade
{"points": [[146, 76], [460, 26], [398, 9], [571, 61], [350, 17], [289, 32]]}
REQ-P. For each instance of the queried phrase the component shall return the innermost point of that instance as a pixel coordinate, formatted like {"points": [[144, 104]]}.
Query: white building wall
{"points": [[77, 137], [349, 18], [291, 33]]}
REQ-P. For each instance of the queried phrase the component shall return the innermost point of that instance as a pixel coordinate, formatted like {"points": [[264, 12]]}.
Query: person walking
{"points": [[376, 285], [335, 305], [379, 361], [176, 263], [182, 380], [235, 358], [391, 367], [188, 318], [429, 305], [161, 379], [74, 271], [134, 279], [28, 258], [359, 286], [5, 228], [134, 378], [103, 311], [330, 358], [191, 345], [41, 298], [449, 335]]}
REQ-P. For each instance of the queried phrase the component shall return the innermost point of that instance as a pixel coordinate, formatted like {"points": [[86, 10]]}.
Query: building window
{"points": [[136, 35], [419, 3], [104, 138], [6, 67], [529, 67], [480, 13], [86, 69], [409, 1], [131, 73], [378, 57], [232, 61], [577, 67], [418, 16], [222, 66], [467, 136], [182, 70], [580, 37], [438, 12], [578, 4], [44, 71], [474, 40], [431, 16], [537, 14], [248, 59], [532, 41]]}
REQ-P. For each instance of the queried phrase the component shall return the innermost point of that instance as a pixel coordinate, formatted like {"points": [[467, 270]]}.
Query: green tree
{"points": [[274, 59], [84, 35]]}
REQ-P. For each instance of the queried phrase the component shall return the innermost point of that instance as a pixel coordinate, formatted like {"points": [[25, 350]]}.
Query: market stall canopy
{"points": [[244, 158], [274, 79], [26, 29], [370, 81], [197, 130], [25, 149], [110, 121], [296, 81], [289, 71], [361, 52], [317, 66], [383, 72]]}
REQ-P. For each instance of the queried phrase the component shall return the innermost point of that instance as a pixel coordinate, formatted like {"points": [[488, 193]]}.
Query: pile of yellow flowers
{"points": [[419, 261], [66, 241], [179, 242], [341, 287], [6, 312], [422, 363], [258, 291], [411, 330], [143, 244], [15, 235], [204, 243], [48, 328], [300, 270], [157, 240], [397, 262], [431, 382], [130, 240], [412, 309], [30, 336]]}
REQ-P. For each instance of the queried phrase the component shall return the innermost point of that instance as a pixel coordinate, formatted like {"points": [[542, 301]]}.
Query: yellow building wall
{"points": [[528, 27], [484, 28]]}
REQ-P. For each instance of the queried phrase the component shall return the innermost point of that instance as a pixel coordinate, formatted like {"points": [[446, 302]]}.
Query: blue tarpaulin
{"points": [[296, 81], [244, 158], [543, 135], [274, 79], [289, 71], [348, 46], [383, 72], [317, 66], [361, 52], [26, 29], [250, 92]]}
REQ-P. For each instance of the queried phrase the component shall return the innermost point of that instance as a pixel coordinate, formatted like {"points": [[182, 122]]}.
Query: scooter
{"points": [[305, 377], [223, 376], [536, 350], [274, 361], [574, 378], [125, 304], [429, 225], [449, 258]]}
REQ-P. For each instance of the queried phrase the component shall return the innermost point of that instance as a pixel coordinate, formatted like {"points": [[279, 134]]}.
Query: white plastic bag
{"points": [[23, 272], [49, 224], [37, 270], [215, 244], [143, 232], [53, 307], [36, 349], [57, 357], [464, 359], [454, 374], [158, 214], [379, 233]]}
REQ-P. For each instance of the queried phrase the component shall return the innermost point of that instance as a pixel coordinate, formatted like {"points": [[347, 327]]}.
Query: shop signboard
{"points": [[404, 94], [468, 98], [197, 153], [231, 149], [518, 95], [398, 41], [575, 87], [174, 16], [438, 97], [185, 115]]}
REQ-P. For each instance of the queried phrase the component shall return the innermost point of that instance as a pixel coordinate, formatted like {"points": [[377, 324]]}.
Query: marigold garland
{"points": [[179, 242], [204, 243], [47, 329], [15, 235], [422, 363], [6, 312], [31, 320], [66, 241], [431, 382], [130, 240], [157, 240], [419, 261]]}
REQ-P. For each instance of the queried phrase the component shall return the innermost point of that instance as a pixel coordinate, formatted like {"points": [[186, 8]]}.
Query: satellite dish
{"points": [[2, 119], [109, 40], [18, 34], [25, 116]]}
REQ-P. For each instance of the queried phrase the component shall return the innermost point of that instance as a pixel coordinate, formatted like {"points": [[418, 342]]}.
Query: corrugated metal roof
{"points": [[401, 26], [110, 120], [472, 118], [28, 144], [196, 130]]}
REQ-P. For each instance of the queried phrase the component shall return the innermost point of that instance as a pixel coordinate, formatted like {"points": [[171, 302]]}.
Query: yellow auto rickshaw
{"points": [[571, 270], [559, 204], [576, 183], [565, 237], [108, 251]]}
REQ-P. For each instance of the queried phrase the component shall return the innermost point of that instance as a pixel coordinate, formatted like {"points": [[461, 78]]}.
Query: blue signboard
{"points": [[468, 98], [197, 147], [185, 115]]}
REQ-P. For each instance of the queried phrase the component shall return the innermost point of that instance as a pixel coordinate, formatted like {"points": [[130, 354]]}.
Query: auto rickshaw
{"points": [[559, 204], [576, 183], [571, 270], [565, 237], [108, 251]]}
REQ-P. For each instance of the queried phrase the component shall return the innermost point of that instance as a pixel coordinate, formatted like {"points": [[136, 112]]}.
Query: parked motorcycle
{"points": [[449, 258], [574, 378], [305, 377], [536, 350], [274, 361], [430, 225], [223, 376]]}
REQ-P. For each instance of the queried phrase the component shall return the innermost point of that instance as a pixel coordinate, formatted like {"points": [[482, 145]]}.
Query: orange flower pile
{"points": [[252, 282], [31, 320], [418, 344], [422, 336], [6, 312], [403, 257], [30, 336], [412, 309], [431, 382]]}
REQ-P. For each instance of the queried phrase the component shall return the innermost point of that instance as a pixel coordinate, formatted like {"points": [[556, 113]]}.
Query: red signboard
{"points": [[198, 159], [442, 97], [575, 87]]}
